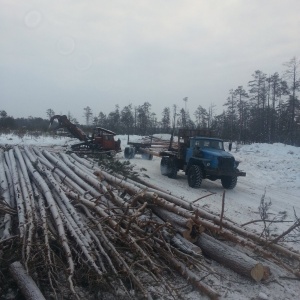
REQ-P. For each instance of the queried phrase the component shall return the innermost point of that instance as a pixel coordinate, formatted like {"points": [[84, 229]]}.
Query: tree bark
{"points": [[26, 284], [232, 258]]}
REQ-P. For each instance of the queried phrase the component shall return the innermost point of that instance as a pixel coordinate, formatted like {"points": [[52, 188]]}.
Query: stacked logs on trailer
{"points": [[71, 227]]}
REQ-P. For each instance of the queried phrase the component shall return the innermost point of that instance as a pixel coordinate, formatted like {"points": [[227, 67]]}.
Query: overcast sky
{"points": [[66, 55]]}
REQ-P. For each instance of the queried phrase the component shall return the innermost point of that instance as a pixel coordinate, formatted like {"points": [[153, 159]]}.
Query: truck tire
{"points": [[168, 167], [172, 168], [229, 182], [147, 156], [164, 165], [129, 152], [195, 176]]}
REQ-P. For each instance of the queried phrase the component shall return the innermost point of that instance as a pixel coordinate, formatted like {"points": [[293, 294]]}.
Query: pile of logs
{"points": [[69, 224]]}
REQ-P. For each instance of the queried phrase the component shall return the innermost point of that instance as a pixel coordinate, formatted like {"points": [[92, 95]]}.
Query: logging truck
{"points": [[147, 147], [198, 154]]}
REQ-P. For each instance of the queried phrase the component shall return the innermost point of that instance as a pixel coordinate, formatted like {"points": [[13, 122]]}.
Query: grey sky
{"points": [[67, 55]]}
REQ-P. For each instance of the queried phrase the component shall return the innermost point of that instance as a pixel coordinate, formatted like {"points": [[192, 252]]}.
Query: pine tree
{"points": [[87, 115], [166, 120], [127, 119], [292, 76]]}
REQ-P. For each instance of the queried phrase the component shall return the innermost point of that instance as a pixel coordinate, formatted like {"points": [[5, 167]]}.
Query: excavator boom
{"points": [[63, 122], [102, 140]]}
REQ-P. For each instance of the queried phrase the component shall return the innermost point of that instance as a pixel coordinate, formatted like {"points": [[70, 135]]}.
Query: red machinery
{"points": [[102, 139]]}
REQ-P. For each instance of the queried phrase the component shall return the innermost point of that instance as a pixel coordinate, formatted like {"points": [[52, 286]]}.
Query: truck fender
{"points": [[197, 161]]}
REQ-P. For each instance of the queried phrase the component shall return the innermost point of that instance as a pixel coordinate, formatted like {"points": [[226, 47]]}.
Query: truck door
{"points": [[189, 151]]}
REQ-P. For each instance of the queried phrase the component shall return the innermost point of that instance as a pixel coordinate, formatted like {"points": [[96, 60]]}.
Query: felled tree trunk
{"points": [[26, 284], [232, 258], [186, 227]]}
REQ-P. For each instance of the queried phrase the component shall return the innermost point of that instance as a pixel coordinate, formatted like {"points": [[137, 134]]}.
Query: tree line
{"points": [[267, 111]]}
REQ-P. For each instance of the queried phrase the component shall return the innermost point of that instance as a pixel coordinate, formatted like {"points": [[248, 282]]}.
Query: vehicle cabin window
{"points": [[108, 137], [209, 144]]}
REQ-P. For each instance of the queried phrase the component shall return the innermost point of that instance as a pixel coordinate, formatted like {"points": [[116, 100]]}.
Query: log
{"points": [[232, 258], [191, 277], [17, 193], [26, 284], [70, 173], [117, 215], [199, 212], [4, 188], [185, 226], [44, 188]]}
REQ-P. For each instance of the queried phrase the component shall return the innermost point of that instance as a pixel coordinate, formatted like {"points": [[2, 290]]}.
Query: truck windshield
{"points": [[209, 144]]}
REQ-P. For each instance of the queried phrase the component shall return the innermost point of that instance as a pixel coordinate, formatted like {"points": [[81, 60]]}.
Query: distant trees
{"points": [[101, 120], [201, 116], [50, 113], [267, 111], [143, 119], [127, 119], [71, 118], [166, 120], [6, 122], [87, 115], [3, 114], [113, 120], [292, 76]]}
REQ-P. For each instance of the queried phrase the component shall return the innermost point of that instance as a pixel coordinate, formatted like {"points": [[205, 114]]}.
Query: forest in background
{"points": [[268, 111]]}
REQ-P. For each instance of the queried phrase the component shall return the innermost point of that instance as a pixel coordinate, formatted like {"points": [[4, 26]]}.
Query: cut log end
{"points": [[257, 272]]}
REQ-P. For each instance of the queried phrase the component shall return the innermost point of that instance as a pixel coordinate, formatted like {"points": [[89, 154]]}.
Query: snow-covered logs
{"points": [[78, 223], [25, 282]]}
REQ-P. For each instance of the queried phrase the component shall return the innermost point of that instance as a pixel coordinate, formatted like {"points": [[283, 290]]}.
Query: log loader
{"points": [[101, 141]]}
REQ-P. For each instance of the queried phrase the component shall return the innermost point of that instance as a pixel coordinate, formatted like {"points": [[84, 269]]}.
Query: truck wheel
{"points": [[147, 156], [195, 176], [229, 182], [172, 168], [164, 165], [168, 167], [129, 152]]}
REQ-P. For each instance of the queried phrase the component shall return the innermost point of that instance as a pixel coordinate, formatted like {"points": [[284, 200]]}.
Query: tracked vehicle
{"points": [[101, 141]]}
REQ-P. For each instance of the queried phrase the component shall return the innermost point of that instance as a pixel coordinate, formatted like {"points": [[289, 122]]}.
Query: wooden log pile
{"points": [[72, 224]]}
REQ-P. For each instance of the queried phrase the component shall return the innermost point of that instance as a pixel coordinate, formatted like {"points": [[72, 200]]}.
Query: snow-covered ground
{"points": [[272, 169]]}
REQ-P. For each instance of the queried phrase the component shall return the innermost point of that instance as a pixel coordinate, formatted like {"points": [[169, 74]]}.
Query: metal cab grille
{"points": [[226, 163]]}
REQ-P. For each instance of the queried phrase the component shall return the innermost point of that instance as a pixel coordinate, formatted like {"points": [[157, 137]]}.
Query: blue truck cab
{"points": [[201, 157]]}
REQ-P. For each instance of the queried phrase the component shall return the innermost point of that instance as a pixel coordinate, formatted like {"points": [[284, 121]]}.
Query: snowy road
{"points": [[273, 170]]}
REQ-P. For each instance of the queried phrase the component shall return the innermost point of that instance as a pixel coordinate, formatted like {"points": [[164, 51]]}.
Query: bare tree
{"points": [[50, 113], [241, 95], [292, 76], [210, 114], [201, 116], [166, 119], [87, 115]]}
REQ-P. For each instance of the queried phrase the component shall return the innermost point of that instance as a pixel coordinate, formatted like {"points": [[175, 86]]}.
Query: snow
{"points": [[272, 169], [41, 140]]}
